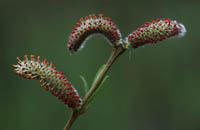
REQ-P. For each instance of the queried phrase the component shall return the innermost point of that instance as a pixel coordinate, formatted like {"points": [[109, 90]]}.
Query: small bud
{"points": [[155, 31]]}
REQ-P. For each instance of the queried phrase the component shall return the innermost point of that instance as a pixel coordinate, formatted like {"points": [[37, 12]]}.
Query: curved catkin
{"points": [[154, 31], [50, 79], [93, 24]]}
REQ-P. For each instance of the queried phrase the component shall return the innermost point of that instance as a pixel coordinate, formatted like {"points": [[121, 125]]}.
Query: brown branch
{"points": [[116, 52], [114, 55], [71, 120]]}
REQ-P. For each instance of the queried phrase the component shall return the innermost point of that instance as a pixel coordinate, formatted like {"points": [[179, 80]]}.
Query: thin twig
{"points": [[114, 55], [116, 52], [71, 120]]}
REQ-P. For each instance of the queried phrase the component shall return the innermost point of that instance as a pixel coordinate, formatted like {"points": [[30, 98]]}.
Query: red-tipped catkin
{"points": [[154, 31], [93, 25], [50, 79]]}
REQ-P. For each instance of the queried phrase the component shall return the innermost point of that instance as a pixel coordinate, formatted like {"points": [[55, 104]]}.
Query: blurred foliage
{"points": [[158, 89]]}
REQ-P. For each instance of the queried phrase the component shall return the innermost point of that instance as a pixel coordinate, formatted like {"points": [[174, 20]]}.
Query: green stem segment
{"points": [[116, 52]]}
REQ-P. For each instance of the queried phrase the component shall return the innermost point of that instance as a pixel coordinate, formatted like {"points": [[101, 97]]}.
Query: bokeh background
{"points": [[155, 87]]}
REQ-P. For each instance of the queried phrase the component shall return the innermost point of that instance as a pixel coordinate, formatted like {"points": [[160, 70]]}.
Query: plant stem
{"points": [[114, 55], [116, 52], [71, 120]]}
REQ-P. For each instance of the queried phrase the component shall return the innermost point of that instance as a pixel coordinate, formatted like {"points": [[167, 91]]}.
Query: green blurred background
{"points": [[157, 89]]}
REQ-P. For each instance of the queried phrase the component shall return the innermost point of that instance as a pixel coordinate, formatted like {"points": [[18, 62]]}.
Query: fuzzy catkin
{"points": [[154, 31], [50, 79], [90, 25]]}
